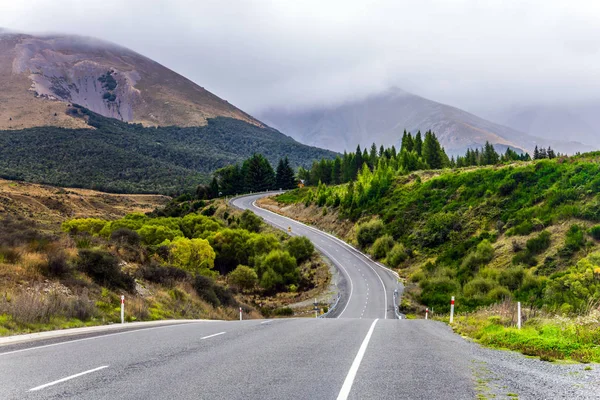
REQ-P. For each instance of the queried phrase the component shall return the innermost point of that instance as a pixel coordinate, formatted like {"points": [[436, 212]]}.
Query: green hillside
{"points": [[129, 158], [525, 231]]}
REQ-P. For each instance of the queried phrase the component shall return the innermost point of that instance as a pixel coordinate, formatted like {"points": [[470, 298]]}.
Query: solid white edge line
{"points": [[209, 336], [345, 390], [67, 378], [97, 337]]}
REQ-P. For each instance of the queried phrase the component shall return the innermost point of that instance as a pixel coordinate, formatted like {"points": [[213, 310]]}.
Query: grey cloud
{"points": [[260, 54]]}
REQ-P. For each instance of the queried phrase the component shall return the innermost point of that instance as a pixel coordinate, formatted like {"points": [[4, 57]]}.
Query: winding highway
{"points": [[361, 352], [368, 287]]}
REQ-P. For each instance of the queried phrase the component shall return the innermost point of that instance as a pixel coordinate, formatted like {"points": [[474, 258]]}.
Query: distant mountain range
{"points": [[577, 121], [382, 119]]}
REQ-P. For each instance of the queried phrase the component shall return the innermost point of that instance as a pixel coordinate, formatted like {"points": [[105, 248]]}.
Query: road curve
{"points": [[368, 288]]}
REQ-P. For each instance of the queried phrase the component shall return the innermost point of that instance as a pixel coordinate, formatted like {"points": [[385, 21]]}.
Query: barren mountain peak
{"points": [[40, 75]]}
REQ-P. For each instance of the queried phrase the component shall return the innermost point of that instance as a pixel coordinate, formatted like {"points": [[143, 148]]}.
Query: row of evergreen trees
{"points": [[254, 175], [415, 154]]}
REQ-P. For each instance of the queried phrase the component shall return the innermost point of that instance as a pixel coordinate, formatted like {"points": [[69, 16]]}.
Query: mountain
{"points": [[383, 117], [80, 112], [555, 121], [41, 75], [120, 157]]}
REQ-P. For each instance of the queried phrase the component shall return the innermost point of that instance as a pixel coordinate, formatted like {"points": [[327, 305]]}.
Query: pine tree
{"points": [[536, 153], [284, 176], [258, 173], [407, 143], [336, 172], [373, 156], [550, 153], [214, 188], [358, 162], [419, 144], [432, 152]]}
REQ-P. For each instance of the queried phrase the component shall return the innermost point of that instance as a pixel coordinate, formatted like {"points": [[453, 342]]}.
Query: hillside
{"points": [[382, 118], [526, 230], [41, 75], [50, 206], [129, 158]]}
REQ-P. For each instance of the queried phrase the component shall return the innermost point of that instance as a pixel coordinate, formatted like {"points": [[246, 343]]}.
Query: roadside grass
{"points": [[292, 196], [550, 338]]}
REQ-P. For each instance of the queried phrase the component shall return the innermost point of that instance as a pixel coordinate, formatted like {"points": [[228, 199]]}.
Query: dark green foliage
{"points": [[436, 292], [284, 312], [276, 270], [367, 233], [104, 269], [595, 232], [300, 248], [285, 177], [125, 236], [121, 157], [538, 244], [250, 222], [258, 173], [163, 275], [205, 288], [574, 241], [382, 246]]}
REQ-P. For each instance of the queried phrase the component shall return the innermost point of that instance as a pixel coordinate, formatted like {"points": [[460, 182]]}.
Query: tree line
{"points": [[254, 175]]}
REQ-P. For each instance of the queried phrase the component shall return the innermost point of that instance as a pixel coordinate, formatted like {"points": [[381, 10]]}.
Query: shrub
{"points": [[193, 255], [574, 241], [367, 233], [126, 236], [104, 269], [595, 232], [250, 222], [276, 269], [284, 312], [163, 275], [512, 277], [204, 287], [300, 248], [93, 226], [538, 244], [225, 296], [396, 255], [243, 277], [9, 255], [57, 264], [382, 246]]}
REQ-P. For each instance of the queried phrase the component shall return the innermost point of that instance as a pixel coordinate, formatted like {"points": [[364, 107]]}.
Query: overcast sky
{"points": [[258, 54]]}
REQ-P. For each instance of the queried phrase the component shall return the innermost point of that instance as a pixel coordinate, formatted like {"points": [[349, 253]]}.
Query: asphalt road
{"points": [[363, 352], [368, 290]]}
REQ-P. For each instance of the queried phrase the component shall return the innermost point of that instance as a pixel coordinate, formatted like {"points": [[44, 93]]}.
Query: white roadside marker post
{"points": [[452, 310], [316, 309], [519, 315], [426, 312], [240, 313], [122, 309]]}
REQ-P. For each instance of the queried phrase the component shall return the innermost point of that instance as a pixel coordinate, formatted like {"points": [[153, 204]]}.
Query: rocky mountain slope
{"points": [[382, 118], [41, 75]]}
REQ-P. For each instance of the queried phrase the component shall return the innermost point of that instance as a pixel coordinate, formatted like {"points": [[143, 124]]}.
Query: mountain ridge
{"points": [[382, 117], [41, 75]]}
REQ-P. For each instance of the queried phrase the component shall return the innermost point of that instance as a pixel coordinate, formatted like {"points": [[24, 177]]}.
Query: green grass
{"points": [[550, 339]]}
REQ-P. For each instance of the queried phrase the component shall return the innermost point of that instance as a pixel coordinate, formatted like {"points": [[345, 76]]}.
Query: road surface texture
{"points": [[363, 352]]}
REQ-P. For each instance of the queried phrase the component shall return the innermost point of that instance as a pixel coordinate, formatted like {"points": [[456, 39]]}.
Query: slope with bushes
{"points": [[201, 262], [527, 231]]}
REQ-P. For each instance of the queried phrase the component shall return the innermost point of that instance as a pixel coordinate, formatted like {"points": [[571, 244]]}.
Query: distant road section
{"points": [[368, 290]]}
